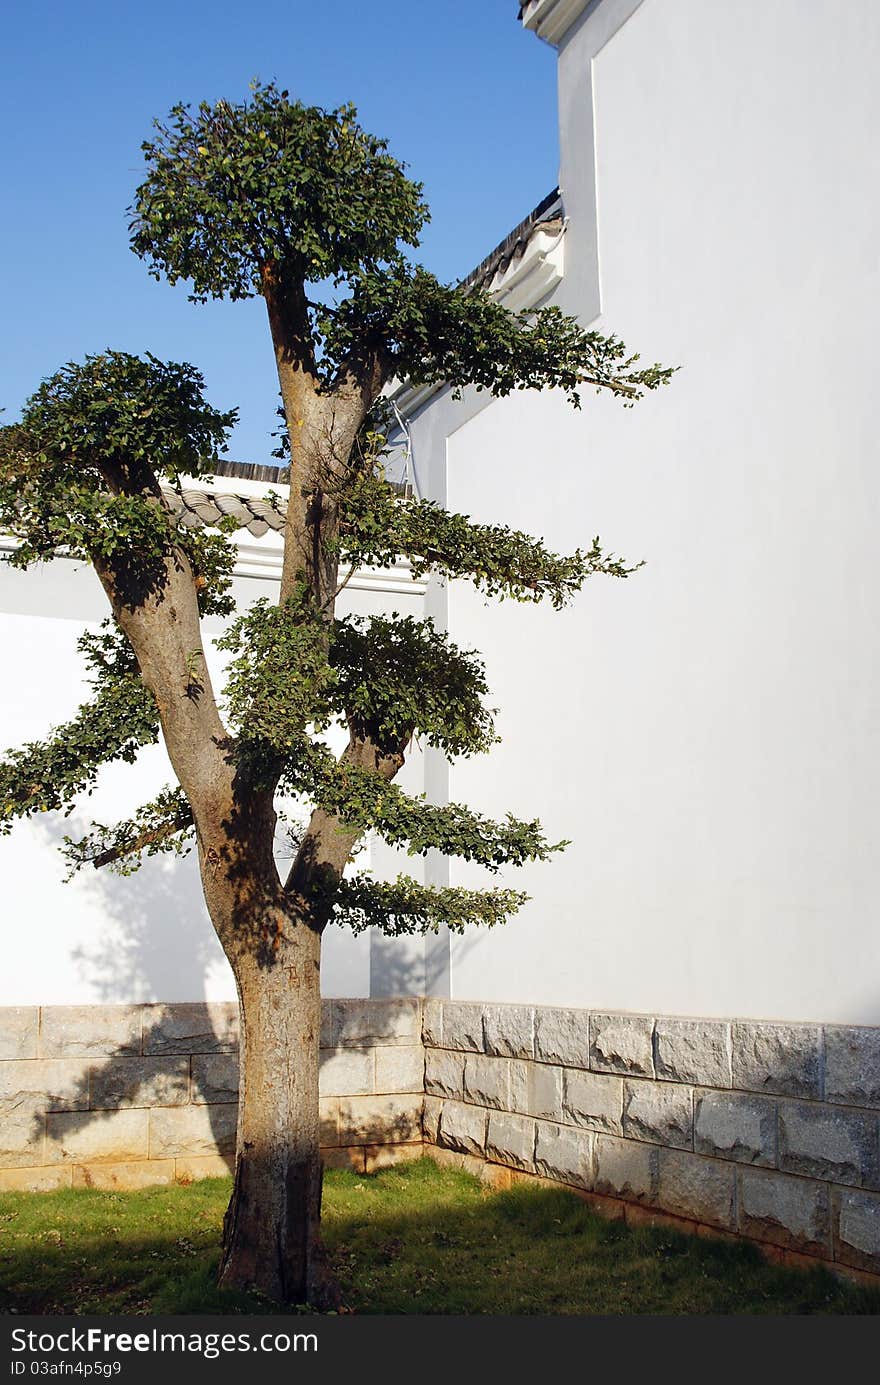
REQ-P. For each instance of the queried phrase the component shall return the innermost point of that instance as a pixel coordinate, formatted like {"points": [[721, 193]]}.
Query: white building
{"points": [[706, 733]]}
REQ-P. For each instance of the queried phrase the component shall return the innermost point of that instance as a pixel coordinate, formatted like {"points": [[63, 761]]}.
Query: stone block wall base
{"points": [[498, 1176], [767, 1131], [147, 1173], [370, 1158], [122, 1177]]}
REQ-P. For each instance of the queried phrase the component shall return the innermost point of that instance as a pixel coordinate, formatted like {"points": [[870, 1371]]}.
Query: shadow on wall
{"points": [[158, 942], [397, 966], [416, 965], [158, 1078], [124, 1084]]}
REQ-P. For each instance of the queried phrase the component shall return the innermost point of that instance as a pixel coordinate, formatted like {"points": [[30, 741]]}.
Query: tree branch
{"points": [[162, 825]]}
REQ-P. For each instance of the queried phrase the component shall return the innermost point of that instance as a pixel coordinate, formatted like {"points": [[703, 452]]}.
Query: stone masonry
{"points": [[769, 1131], [120, 1096]]}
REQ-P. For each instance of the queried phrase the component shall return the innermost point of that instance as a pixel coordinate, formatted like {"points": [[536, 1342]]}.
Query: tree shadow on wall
{"points": [[175, 1053], [161, 1077]]}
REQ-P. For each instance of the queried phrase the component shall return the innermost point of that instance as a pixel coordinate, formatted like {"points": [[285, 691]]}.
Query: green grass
{"points": [[413, 1239]]}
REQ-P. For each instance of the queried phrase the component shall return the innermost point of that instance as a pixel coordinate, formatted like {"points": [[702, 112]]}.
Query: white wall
{"points": [[147, 937], [707, 732]]}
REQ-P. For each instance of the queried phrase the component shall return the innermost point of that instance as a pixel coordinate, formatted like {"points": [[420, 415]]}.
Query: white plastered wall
{"points": [[707, 732], [147, 937]]}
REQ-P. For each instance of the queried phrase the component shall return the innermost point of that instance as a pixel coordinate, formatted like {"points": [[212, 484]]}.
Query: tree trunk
{"points": [[271, 1233]]}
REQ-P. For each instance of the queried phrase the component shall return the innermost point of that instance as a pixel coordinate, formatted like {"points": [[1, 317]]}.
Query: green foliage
{"points": [[163, 825], [116, 419], [234, 191], [278, 681], [397, 676], [270, 196], [212, 559], [404, 906], [432, 333], [378, 526], [52, 516], [388, 677], [121, 718], [364, 801], [303, 206], [79, 474]]}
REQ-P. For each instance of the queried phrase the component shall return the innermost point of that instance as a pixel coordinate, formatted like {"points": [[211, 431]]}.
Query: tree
{"points": [[303, 207]]}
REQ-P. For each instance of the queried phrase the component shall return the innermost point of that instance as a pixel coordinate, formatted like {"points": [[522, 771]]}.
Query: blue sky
{"points": [[466, 97]]}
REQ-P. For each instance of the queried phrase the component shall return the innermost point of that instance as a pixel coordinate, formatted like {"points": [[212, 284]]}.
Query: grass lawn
{"points": [[412, 1239]]}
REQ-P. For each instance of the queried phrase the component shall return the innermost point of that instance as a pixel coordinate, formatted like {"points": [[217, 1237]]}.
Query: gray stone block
{"points": [[487, 1081], [432, 1023], [215, 1078], [380, 1119], [852, 1066], [328, 1117], [328, 1024], [511, 1140], [431, 1118], [462, 1128], [45, 1084], [127, 1082], [200, 1027], [346, 1072], [827, 1142], [359, 1023], [400, 1069], [89, 1031], [183, 1130], [658, 1112], [100, 1137], [536, 1090], [733, 1126], [693, 1051], [594, 1100], [463, 1025], [622, 1043], [509, 1030], [704, 1190], [562, 1036], [22, 1137], [19, 1030], [777, 1059], [444, 1073], [857, 1229], [35, 1179], [785, 1211], [564, 1153], [626, 1169]]}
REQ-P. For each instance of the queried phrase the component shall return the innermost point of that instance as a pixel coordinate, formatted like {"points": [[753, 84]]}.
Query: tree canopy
{"points": [[303, 207], [271, 197]]}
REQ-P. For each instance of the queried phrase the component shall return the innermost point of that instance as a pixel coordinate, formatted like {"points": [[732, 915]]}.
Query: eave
{"points": [[551, 19], [520, 273]]}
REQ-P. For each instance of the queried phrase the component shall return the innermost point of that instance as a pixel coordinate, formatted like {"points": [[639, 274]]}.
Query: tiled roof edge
{"points": [[250, 471], [548, 209]]}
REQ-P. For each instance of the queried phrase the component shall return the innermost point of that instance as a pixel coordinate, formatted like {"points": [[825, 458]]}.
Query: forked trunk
{"points": [[271, 1233]]}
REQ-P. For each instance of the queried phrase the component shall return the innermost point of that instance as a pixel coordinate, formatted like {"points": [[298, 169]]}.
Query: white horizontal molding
{"points": [[262, 561], [524, 283], [552, 19]]}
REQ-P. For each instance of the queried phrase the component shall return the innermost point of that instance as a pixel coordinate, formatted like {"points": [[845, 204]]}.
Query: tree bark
{"points": [[271, 1239], [271, 1233]]}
